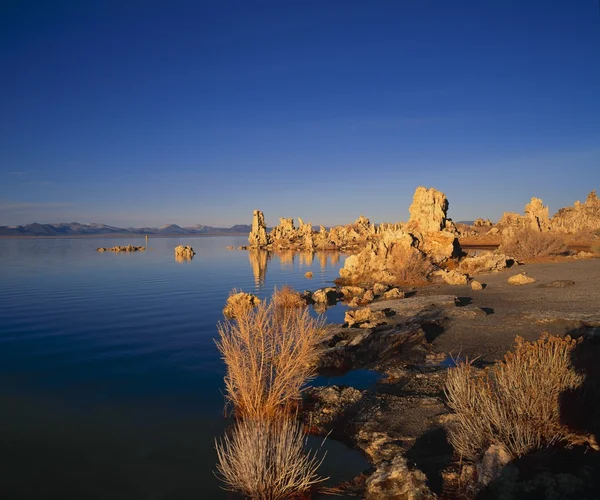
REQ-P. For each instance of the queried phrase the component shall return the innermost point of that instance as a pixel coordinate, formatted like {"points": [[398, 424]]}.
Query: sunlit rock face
{"points": [[581, 217], [258, 234]]}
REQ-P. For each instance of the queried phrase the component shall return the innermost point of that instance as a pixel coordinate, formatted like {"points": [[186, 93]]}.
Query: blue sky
{"points": [[147, 113]]}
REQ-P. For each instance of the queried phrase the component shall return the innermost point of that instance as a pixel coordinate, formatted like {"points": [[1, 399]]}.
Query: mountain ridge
{"points": [[78, 229]]}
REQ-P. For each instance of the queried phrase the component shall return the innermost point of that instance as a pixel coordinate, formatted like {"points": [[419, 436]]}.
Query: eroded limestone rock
{"points": [[184, 252], [258, 235], [580, 217], [520, 279], [238, 302]]}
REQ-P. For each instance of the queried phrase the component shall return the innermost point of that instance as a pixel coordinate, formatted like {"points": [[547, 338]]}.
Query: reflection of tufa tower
{"points": [[258, 260]]}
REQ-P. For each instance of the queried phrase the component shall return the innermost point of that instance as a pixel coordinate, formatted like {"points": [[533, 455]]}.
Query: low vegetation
{"points": [[269, 349], [528, 244], [515, 404], [266, 459], [269, 352], [408, 266], [288, 298]]}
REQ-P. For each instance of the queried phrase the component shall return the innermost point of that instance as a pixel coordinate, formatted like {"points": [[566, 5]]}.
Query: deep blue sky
{"points": [[147, 113]]}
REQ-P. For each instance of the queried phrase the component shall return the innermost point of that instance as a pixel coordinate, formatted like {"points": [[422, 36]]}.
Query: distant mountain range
{"points": [[77, 229]]}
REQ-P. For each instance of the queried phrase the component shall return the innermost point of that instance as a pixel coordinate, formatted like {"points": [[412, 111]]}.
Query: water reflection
{"points": [[289, 260], [183, 259], [258, 260]]}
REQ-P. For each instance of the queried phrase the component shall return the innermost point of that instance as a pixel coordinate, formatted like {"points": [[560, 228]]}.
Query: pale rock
{"points": [[364, 318], [325, 295], [184, 252], [258, 234], [394, 293], [369, 296], [393, 480], [484, 263], [476, 285], [520, 279], [452, 277], [491, 466], [482, 223], [239, 300], [352, 291], [580, 217], [428, 210]]}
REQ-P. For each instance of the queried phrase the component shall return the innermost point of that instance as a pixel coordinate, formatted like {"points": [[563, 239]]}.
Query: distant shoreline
{"points": [[112, 235]]}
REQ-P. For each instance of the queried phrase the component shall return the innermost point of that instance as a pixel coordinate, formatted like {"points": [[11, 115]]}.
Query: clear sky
{"points": [[197, 112]]}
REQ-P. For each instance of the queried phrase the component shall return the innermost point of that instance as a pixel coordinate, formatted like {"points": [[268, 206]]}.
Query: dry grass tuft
{"points": [[265, 459], [516, 403], [528, 244], [270, 353], [408, 266], [287, 298]]}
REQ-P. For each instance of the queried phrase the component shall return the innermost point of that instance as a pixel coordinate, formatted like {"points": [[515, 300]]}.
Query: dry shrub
{"points": [[269, 352], [408, 266], [265, 459], [596, 247], [516, 403], [287, 298], [527, 244], [238, 303]]}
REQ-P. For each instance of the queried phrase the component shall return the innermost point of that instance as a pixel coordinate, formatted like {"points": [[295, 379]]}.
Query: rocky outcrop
{"points": [[184, 252], [126, 248], [428, 211], [239, 301], [484, 263], [482, 223], [536, 218], [394, 480], [378, 262], [537, 215], [258, 235], [581, 217], [452, 277]]}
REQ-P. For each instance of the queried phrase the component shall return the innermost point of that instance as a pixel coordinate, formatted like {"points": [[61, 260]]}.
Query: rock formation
{"points": [[183, 253], [581, 217], [536, 218], [428, 237], [482, 223], [537, 215], [428, 211], [125, 248], [238, 302], [258, 235]]}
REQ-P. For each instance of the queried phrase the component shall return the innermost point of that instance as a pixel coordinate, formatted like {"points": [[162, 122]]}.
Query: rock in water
{"points": [[238, 302], [184, 252], [258, 234], [125, 248]]}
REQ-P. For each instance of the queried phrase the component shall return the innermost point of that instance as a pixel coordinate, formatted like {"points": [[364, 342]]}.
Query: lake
{"points": [[110, 381]]}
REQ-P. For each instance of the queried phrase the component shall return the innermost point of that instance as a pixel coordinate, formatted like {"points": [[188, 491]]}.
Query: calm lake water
{"points": [[110, 382]]}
